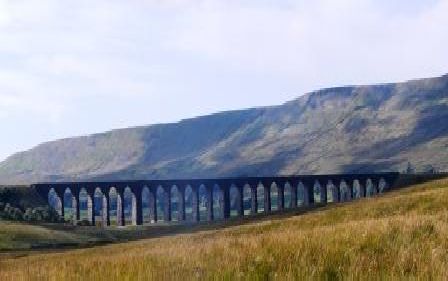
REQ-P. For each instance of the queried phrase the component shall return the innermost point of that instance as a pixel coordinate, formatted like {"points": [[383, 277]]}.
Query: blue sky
{"points": [[71, 68]]}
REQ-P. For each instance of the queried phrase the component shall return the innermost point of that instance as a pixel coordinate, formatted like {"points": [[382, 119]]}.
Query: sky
{"points": [[70, 68]]}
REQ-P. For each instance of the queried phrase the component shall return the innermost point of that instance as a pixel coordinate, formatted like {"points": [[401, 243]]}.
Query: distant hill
{"points": [[346, 129]]}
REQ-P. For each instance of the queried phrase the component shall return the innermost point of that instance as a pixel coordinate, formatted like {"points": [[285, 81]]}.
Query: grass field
{"points": [[18, 236], [401, 235]]}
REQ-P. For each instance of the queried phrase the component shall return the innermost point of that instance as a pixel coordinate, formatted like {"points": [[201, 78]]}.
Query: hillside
{"points": [[345, 129], [400, 235]]}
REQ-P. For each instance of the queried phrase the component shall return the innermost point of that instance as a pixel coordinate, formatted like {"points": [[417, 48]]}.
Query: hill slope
{"points": [[346, 129], [401, 235]]}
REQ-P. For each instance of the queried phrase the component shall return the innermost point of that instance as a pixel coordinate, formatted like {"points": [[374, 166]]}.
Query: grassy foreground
{"points": [[21, 236], [402, 235]]}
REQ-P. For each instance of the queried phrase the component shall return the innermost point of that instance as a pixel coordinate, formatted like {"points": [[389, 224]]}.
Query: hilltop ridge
{"points": [[345, 129]]}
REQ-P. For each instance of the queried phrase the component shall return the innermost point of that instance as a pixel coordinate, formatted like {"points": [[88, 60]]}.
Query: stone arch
{"points": [[55, 201], [70, 206], [218, 202], [332, 196], [300, 194], [175, 202], [203, 201], [356, 189], [130, 207], [234, 195], [382, 185], [99, 207], [370, 188], [160, 203], [247, 200], [345, 194], [287, 195], [275, 204], [317, 189], [260, 198], [85, 206], [189, 212], [146, 209], [115, 207]]}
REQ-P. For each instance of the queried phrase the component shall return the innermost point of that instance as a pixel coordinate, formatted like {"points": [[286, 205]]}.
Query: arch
{"points": [[115, 207], [287, 194], [370, 188], [130, 207], [274, 197], [300, 194], [146, 209], [218, 202], [356, 189], [332, 196], [260, 198], [189, 214], [54, 201], [345, 194], [317, 188], [85, 206], [175, 202], [160, 203], [203, 200], [234, 195], [247, 200], [382, 185], [99, 206], [70, 206]]}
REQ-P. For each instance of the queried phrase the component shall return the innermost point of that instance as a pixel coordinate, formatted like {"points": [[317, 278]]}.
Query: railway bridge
{"points": [[141, 202]]}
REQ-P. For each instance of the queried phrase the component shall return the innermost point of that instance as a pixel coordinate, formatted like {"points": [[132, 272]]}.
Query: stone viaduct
{"points": [[196, 200]]}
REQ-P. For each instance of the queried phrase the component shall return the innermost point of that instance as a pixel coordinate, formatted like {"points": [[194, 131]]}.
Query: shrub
{"points": [[37, 214]]}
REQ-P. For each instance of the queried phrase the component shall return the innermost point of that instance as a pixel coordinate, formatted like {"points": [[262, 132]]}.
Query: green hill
{"points": [[347, 129], [401, 235]]}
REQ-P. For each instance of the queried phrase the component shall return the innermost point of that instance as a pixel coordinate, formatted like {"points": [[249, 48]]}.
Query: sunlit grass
{"points": [[402, 235]]}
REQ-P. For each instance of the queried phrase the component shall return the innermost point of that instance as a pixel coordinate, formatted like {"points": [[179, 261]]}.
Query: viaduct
{"points": [[151, 201]]}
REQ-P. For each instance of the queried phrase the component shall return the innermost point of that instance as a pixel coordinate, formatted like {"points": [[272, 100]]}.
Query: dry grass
{"points": [[22, 236], [403, 235]]}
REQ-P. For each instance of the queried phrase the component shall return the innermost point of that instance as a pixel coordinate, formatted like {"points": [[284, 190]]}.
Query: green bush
{"points": [[37, 214], [24, 204]]}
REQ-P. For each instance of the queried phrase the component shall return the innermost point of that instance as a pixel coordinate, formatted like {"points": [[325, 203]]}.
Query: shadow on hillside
{"points": [[431, 125]]}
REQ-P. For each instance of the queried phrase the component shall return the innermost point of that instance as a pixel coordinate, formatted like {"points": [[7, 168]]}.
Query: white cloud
{"points": [[321, 36]]}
